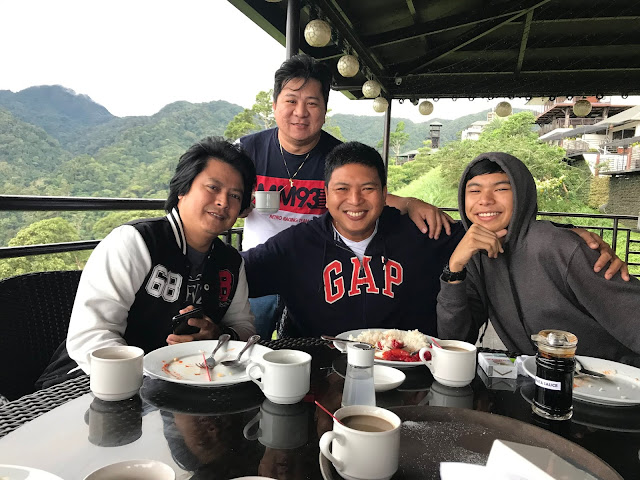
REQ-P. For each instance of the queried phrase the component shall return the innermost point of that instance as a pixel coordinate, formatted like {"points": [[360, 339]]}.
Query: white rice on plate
{"points": [[412, 340]]}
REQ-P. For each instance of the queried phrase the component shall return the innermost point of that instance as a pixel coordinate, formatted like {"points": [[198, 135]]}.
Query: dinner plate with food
{"points": [[179, 363], [395, 348]]}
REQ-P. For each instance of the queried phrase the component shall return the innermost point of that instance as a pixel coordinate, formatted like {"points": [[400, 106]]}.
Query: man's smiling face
{"points": [[355, 199], [299, 111], [488, 201]]}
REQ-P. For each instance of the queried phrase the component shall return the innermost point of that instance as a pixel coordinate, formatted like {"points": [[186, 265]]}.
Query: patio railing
{"points": [[616, 229]]}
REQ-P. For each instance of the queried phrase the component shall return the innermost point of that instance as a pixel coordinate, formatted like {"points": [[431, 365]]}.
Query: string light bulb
{"points": [[582, 108], [380, 104], [348, 66], [371, 89], [503, 109], [426, 108], [317, 33]]}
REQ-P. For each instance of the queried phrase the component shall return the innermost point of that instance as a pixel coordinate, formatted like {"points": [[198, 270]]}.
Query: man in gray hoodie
{"points": [[527, 275]]}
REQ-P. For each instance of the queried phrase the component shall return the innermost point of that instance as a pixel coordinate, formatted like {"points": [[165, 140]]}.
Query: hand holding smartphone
{"points": [[180, 325]]}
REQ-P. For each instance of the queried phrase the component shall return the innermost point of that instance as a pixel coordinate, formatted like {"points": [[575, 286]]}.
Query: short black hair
{"points": [[194, 160], [482, 167], [354, 152], [306, 67]]}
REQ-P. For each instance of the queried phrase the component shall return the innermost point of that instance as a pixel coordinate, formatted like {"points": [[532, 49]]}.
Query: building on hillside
{"points": [[581, 136], [473, 131], [406, 157], [608, 140]]}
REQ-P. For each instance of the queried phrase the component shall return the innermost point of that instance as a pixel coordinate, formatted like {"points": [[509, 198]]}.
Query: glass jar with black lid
{"points": [[555, 364]]}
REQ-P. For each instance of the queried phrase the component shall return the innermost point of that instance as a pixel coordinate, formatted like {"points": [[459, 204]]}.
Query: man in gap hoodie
{"points": [[361, 264]]}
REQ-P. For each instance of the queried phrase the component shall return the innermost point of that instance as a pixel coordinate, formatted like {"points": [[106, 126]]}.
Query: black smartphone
{"points": [[180, 325]]}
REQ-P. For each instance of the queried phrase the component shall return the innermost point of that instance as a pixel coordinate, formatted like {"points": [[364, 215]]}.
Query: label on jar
{"points": [[548, 384]]}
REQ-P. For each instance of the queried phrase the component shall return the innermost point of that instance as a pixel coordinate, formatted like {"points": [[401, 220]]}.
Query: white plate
{"points": [[387, 378], [16, 472], [391, 363], [621, 387], [177, 363], [134, 470]]}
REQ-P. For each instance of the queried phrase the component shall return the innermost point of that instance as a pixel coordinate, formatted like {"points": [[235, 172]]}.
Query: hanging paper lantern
{"points": [[426, 108], [380, 104], [371, 89], [348, 66], [503, 109], [317, 33], [582, 108]]}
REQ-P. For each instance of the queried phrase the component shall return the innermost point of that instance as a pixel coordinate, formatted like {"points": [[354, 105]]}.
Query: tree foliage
{"points": [[258, 117], [52, 230], [556, 180], [397, 139]]}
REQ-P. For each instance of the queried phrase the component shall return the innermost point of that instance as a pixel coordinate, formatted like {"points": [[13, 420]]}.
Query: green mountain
{"points": [[369, 129], [59, 111], [27, 152]]}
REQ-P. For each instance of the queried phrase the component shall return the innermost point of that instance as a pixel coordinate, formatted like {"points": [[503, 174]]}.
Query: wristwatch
{"points": [[449, 276]]}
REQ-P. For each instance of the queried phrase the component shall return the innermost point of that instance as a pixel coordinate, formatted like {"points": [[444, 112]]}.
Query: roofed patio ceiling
{"points": [[474, 48]]}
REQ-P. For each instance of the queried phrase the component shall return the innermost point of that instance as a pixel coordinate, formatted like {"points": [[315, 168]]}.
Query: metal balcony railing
{"points": [[612, 226]]}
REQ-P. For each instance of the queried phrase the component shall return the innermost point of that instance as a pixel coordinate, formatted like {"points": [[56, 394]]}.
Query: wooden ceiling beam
{"points": [[432, 27], [463, 40], [523, 42]]}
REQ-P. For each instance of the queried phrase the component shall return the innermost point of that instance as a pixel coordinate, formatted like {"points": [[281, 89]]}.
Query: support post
{"points": [[385, 138], [293, 28]]}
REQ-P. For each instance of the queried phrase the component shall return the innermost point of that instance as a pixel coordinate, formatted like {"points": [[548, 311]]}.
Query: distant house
{"points": [[406, 157], [604, 138], [473, 131]]}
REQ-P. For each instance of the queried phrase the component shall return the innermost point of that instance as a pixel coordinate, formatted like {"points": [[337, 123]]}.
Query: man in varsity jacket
{"points": [[147, 271]]}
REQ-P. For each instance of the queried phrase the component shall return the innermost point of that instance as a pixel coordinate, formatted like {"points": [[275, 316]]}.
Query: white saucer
{"points": [[387, 378], [18, 472], [134, 470]]}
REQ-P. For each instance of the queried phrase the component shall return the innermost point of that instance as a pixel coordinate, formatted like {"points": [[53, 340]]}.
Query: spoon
{"points": [[336, 339], [234, 363], [584, 371]]}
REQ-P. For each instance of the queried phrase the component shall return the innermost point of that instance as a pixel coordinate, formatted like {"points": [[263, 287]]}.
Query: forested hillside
{"points": [[54, 142]]}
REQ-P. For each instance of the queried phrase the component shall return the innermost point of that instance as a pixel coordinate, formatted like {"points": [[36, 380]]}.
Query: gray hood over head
{"points": [[525, 198]]}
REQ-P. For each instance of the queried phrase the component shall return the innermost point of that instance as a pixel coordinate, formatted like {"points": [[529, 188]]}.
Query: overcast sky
{"points": [[135, 56]]}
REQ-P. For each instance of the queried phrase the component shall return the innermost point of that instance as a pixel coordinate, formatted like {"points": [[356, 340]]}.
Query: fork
{"points": [[210, 362], [233, 363]]}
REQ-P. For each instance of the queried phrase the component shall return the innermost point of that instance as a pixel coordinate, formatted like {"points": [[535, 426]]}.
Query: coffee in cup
{"points": [[454, 364], [365, 443]]}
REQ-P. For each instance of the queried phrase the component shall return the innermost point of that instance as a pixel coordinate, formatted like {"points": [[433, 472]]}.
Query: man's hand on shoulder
{"points": [[606, 255], [427, 217]]}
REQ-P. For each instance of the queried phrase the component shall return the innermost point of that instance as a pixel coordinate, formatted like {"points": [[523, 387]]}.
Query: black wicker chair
{"points": [[34, 317]]}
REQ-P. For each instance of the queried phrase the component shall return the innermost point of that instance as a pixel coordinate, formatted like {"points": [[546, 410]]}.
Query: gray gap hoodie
{"points": [[544, 279]]}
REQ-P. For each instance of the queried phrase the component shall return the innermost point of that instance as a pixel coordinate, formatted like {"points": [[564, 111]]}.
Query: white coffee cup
{"points": [[453, 368], [134, 470], [285, 375], [358, 454], [267, 201], [116, 372], [280, 426]]}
